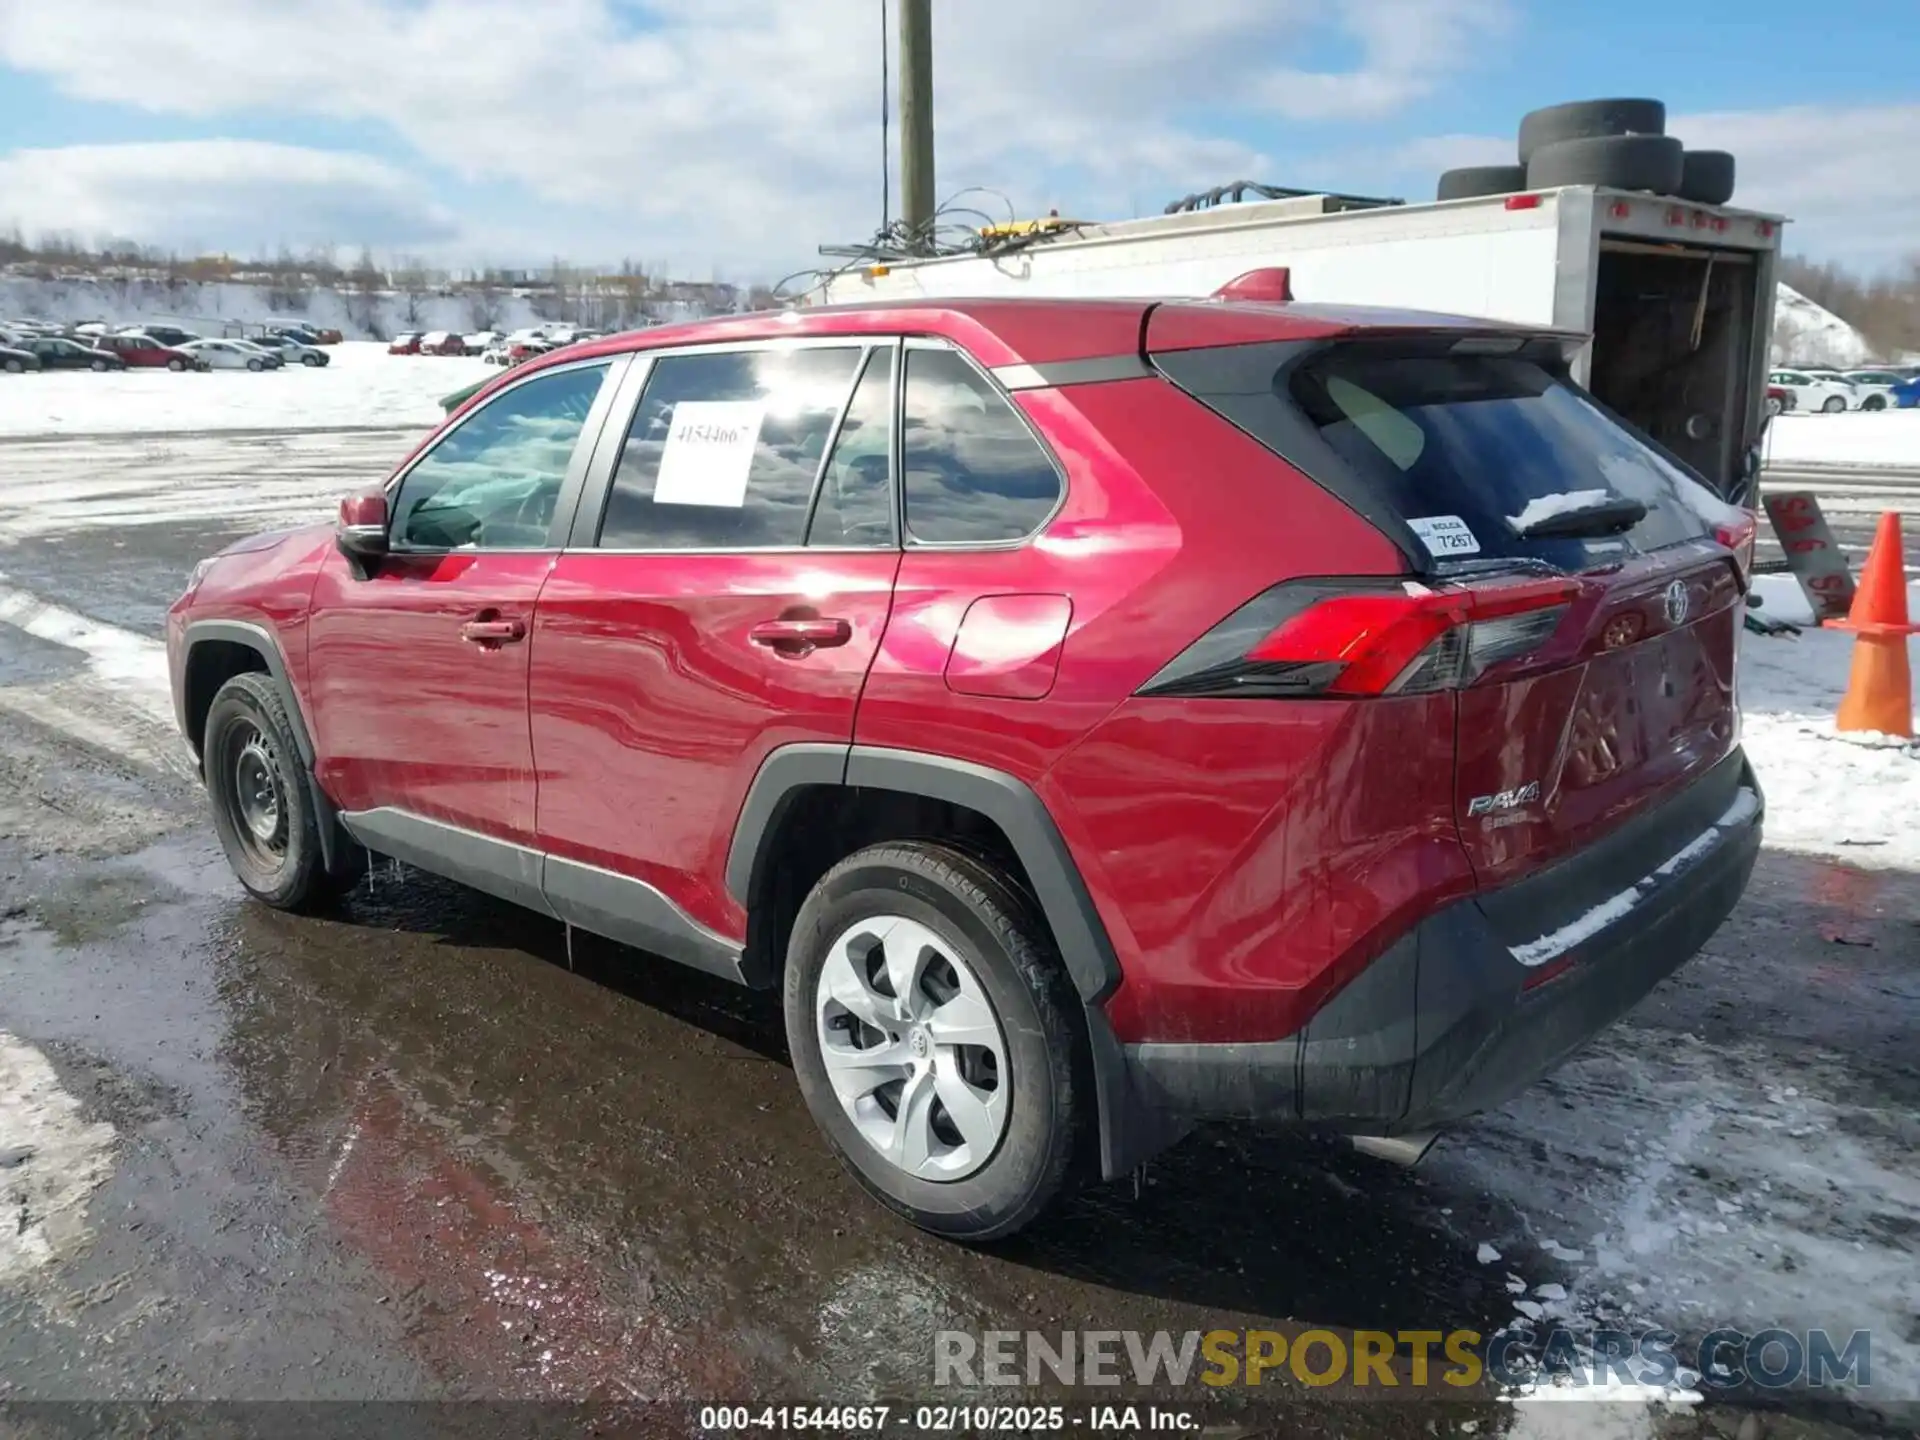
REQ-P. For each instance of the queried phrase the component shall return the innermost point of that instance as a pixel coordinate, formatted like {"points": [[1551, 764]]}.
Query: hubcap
{"points": [[256, 795], [912, 1048]]}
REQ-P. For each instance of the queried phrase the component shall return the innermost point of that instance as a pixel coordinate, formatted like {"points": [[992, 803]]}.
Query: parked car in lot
{"points": [[407, 342], [1906, 395], [57, 353], [1806, 391], [497, 352], [1873, 387], [145, 352], [520, 351], [17, 360], [443, 342], [170, 335], [1092, 716], [230, 355], [292, 352], [480, 341]]}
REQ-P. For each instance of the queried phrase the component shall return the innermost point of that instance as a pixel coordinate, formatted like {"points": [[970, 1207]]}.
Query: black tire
{"points": [[1833, 405], [969, 906], [1471, 180], [1874, 402], [1618, 162], [14, 367], [287, 872], [309, 359], [256, 365], [1775, 405], [1588, 120], [1706, 177], [99, 367]]}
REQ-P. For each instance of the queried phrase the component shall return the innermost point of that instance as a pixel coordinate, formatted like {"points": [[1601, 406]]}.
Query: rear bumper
{"points": [[1486, 996]]}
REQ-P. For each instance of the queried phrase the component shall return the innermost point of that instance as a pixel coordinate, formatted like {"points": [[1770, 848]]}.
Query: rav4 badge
{"points": [[1505, 800]]}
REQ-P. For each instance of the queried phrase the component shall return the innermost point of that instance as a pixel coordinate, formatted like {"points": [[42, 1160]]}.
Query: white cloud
{"points": [[745, 131], [244, 194], [1843, 175], [1846, 176]]}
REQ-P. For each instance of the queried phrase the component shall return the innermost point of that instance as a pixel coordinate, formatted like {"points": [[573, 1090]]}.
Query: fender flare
{"points": [[1128, 1131], [264, 643]]}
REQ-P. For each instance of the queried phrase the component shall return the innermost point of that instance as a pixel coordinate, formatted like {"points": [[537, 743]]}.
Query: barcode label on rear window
{"points": [[1445, 535]]}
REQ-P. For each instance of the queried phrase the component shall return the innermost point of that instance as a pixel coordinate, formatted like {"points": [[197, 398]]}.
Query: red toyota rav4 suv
{"points": [[1095, 715]]}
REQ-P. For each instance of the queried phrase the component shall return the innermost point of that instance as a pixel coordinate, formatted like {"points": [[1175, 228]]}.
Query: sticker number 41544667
{"points": [[1445, 535]]}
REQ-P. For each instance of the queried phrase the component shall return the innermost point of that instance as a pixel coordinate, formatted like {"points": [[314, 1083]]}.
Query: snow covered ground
{"points": [[1854, 798], [363, 386], [1808, 334], [1857, 437]]}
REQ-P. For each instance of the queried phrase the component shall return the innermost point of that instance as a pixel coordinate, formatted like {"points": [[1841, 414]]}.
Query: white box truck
{"points": [[1677, 296]]}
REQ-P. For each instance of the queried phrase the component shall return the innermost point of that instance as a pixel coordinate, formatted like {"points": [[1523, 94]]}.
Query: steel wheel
{"points": [[259, 809], [912, 1048]]}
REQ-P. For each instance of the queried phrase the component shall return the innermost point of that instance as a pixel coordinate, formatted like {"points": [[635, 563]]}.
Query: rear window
{"points": [[1476, 452]]}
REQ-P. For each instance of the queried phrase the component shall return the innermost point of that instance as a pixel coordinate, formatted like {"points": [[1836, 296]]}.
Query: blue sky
{"points": [[732, 136]]}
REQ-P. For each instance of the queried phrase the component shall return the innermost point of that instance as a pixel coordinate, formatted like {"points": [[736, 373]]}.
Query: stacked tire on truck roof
{"points": [[1615, 144]]}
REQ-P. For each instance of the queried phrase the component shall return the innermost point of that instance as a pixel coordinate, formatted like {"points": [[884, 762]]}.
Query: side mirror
{"points": [[361, 532]]}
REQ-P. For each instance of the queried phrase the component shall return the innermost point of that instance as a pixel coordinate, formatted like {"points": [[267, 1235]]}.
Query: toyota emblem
{"points": [[1676, 603]]}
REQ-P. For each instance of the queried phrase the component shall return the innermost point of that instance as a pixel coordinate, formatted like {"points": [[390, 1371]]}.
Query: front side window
{"points": [[974, 473], [724, 449], [492, 482]]}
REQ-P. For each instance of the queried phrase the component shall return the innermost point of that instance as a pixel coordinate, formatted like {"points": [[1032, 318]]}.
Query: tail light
{"points": [[1739, 536], [1329, 638]]}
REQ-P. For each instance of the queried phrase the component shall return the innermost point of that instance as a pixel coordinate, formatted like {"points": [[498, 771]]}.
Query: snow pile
{"points": [[1854, 798], [1855, 437], [1808, 334], [363, 386], [1545, 507], [52, 1159]]}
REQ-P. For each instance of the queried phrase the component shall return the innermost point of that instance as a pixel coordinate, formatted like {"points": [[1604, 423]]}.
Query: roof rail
{"points": [[1237, 191]]}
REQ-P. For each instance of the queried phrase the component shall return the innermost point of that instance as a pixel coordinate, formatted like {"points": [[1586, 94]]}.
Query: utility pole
{"points": [[916, 119]]}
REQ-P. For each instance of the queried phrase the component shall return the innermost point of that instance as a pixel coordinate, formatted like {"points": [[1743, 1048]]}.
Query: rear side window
{"points": [[974, 473], [724, 447], [1482, 455], [855, 505]]}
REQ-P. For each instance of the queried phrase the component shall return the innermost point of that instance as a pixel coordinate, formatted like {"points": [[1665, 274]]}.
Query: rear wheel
{"points": [[929, 1022], [262, 808], [1833, 405], [99, 365]]}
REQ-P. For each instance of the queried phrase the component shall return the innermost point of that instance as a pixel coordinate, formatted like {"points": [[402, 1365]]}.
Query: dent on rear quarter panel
{"points": [[1262, 851]]}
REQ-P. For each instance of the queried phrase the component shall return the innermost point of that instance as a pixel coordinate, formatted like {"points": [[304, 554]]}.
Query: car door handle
{"points": [[493, 632], [798, 636]]}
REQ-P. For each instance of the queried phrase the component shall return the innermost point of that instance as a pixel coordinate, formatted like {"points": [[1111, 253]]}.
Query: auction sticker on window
{"points": [[709, 452], [1445, 535]]}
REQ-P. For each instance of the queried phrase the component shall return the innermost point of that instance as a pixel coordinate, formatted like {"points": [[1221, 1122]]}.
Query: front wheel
{"points": [[255, 365], [262, 808], [176, 365], [14, 367], [309, 359], [1874, 402], [1775, 405], [99, 366], [1834, 405], [930, 1023]]}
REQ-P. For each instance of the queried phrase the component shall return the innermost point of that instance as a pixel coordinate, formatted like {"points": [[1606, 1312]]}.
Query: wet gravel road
{"points": [[421, 1150]]}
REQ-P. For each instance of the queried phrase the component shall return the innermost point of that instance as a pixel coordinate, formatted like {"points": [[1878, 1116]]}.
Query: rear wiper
{"points": [[1609, 517]]}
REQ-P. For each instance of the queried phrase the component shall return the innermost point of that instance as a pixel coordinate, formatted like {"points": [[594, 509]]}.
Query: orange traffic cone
{"points": [[1880, 692]]}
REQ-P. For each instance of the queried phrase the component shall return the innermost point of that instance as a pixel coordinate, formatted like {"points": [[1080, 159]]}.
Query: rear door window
{"points": [[1480, 454], [724, 449]]}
